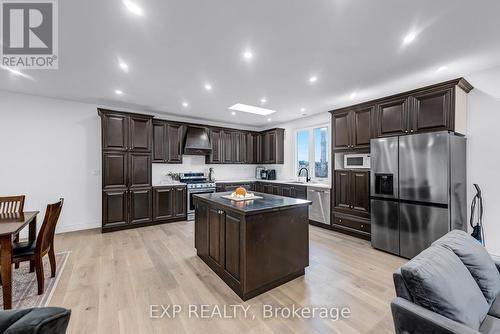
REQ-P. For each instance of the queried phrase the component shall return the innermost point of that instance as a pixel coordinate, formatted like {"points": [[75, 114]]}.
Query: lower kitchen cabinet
{"points": [[122, 208], [354, 225], [169, 203]]}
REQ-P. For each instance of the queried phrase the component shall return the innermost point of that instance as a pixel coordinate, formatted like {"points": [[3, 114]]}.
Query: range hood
{"points": [[197, 141]]}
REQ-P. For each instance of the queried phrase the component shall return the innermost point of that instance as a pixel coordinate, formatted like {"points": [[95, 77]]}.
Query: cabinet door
{"points": [[163, 207], [232, 245], [360, 193], [201, 229], [251, 148], [180, 202], [276, 190], [140, 133], [431, 111], [217, 150], [270, 142], [114, 132], [300, 192], [141, 208], [140, 170], [267, 188], [115, 166], [114, 208], [227, 139], [361, 127], [342, 189], [174, 136], [159, 142], [259, 148], [392, 117], [341, 130], [287, 191], [235, 143], [242, 149], [215, 236]]}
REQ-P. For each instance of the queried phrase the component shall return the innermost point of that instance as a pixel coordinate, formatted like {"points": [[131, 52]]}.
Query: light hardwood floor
{"points": [[110, 281]]}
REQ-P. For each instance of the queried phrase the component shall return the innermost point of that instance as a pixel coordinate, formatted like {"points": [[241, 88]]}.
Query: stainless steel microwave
{"points": [[356, 161]]}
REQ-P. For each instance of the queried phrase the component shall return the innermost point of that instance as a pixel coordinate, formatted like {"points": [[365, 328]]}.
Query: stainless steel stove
{"points": [[197, 183]]}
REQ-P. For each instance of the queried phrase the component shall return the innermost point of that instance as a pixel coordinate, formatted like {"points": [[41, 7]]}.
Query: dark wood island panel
{"points": [[253, 246]]}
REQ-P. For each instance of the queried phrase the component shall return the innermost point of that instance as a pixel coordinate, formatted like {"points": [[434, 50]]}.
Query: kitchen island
{"points": [[254, 245]]}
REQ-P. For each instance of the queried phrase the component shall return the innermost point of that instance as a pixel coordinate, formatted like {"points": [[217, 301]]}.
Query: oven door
{"points": [[192, 192]]}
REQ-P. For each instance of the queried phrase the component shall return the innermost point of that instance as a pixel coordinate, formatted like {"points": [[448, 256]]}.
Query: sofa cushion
{"points": [[440, 282], [495, 308], [476, 259], [490, 325]]}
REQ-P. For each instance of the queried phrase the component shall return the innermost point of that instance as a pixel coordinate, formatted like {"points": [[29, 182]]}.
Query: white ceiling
{"points": [[178, 46]]}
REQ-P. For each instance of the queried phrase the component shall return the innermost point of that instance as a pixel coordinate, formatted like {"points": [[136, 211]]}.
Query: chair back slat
{"points": [[11, 205], [45, 237]]}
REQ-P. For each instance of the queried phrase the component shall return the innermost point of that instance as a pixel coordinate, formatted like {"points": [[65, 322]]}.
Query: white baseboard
{"points": [[76, 227]]}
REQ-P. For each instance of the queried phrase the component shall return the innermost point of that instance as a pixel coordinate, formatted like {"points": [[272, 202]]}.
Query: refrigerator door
{"points": [[420, 226], [385, 225], [384, 167], [423, 167]]}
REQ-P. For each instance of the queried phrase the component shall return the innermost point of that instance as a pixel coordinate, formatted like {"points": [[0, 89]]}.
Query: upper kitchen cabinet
{"points": [[216, 141], [167, 142], [273, 146], [352, 129], [434, 108], [125, 131], [392, 117]]}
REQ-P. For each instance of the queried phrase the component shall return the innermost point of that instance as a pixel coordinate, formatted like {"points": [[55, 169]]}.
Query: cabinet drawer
{"points": [[357, 225]]}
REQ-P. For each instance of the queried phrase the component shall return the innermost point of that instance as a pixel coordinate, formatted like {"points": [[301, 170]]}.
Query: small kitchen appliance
{"points": [[263, 174], [258, 172], [271, 174], [352, 161]]}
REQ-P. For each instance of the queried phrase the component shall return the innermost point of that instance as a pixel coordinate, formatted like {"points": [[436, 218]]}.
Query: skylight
{"points": [[251, 109]]}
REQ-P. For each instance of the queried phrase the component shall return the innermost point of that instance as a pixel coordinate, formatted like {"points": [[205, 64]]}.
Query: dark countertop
{"points": [[267, 203]]}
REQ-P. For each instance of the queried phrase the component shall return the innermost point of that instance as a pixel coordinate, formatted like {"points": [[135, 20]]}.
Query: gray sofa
{"points": [[43, 320], [451, 287]]}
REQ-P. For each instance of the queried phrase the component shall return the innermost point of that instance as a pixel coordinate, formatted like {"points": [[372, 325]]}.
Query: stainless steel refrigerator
{"points": [[418, 190]]}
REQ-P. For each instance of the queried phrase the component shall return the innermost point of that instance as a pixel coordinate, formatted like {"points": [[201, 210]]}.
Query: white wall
{"points": [[483, 160], [48, 150]]}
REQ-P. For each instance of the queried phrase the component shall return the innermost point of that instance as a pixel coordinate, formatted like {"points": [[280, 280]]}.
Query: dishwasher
{"points": [[319, 210]]}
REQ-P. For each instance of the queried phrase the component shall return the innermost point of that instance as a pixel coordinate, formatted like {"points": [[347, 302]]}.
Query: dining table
{"points": [[10, 226]]}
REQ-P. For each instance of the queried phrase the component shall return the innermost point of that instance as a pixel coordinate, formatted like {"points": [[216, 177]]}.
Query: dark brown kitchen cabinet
{"points": [[115, 207], [352, 193], [228, 147], [167, 142], [392, 117], [141, 208], [169, 203], [273, 150], [251, 156], [114, 131], [232, 245], [126, 169], [140, 133], [174, 135], [216, 139], [431, 110], [352, 129], [216, 235]]}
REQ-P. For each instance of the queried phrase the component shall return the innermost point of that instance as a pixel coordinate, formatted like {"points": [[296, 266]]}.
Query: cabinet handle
{"points": [[340, 220], [412, 130], [362, 225]]}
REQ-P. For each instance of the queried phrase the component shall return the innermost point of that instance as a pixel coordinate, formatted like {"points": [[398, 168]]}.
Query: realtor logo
{"points": [[29, 34]]}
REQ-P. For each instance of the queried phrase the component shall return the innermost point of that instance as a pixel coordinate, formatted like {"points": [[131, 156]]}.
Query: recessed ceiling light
{"points": [[233, 113], [442, 68], [118, 92], [247, 55], [208, 87], [269, 120], [124, 66], [313, 79], [409, 38], [251, 109], [133, 7], [353, 95], [263, 100], [185, 104], [302, 109]]}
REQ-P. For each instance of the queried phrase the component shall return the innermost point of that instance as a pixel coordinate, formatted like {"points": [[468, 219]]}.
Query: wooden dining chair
{"points": [[35, 250], [12, 207]]}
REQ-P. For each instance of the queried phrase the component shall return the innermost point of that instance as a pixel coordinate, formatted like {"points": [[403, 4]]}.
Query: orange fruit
{"points": [[240, 191]]}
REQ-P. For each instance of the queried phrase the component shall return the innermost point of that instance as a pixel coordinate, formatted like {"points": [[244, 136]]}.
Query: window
{"points": [[312, 146]]}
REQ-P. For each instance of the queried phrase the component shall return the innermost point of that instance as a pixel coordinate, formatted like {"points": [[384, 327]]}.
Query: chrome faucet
{"points": [[307, 173]]}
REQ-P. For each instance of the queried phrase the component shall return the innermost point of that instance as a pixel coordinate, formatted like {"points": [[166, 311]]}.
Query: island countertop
{"points": [[267, 203]]}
